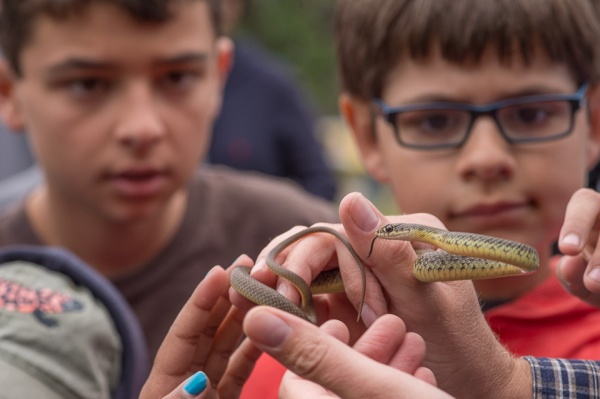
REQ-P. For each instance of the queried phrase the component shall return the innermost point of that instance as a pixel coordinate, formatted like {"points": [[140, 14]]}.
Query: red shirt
{"points": [[265, 379], [548, 322], [545, 322]]}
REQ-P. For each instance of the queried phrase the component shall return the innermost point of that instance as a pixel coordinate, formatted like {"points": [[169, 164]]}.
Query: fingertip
{"points": [[425, 374], [239, 301], [570, 271], [266, 328], [367, 315], [196, 384], [570, 243], [592, 280], [336, 329], [259, 267], [215, 269], [361, 212]]}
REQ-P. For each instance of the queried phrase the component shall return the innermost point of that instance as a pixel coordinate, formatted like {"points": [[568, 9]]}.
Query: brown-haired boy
{"points": [[514, 179], [484, 115], [118, 99]]}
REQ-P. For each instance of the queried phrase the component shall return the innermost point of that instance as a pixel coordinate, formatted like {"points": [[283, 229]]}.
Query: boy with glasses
{"points": [[484, 115]]}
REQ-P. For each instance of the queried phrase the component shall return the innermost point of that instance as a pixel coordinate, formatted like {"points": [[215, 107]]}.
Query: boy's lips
{"points": [[139, 182], [493, 210]]}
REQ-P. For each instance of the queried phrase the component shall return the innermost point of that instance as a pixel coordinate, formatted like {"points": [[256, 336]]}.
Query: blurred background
{"points": [[299, 32]]}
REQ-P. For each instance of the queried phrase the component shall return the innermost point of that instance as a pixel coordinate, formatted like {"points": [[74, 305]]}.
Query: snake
{"points": [[460, 256]]}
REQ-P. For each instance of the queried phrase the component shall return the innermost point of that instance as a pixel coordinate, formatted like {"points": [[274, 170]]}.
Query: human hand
{"points": [[384, 362], [338, 303], [446, 315], [461, 346], [203, 337], [579, 268]]}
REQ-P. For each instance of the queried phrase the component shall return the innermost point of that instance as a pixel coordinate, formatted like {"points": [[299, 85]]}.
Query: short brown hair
{"points": [[17, 17], [372, 36]]}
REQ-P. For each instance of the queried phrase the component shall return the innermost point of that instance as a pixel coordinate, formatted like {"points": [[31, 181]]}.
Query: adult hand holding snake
{"points": [[447, 315]]}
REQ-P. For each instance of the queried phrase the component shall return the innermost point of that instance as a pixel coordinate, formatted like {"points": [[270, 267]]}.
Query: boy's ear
{"points": [[359, 116], [9, 108], [593, 149], [225, 56]]}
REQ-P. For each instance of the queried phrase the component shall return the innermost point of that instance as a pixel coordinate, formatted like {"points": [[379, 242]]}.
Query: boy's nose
{"points": [[486, 155], [139, 125]]}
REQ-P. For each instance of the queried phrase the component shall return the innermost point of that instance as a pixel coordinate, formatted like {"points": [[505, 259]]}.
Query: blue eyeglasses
{"points": [[440, 125]]}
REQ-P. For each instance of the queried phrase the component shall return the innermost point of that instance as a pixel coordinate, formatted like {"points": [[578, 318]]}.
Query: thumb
{"points": [[313, 354], [391, 261]]}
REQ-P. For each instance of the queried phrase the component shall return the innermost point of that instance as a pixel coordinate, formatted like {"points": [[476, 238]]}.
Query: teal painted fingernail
{"points": [[196, 383]]}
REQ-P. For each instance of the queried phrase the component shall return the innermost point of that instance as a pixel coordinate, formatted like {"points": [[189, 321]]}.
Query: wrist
{"points": [[516, 382]]}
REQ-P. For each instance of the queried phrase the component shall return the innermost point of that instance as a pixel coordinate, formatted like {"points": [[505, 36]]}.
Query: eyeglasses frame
{"points": [[577, 101]]}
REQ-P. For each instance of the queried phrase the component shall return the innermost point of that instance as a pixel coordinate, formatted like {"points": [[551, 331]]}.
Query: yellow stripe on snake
{"points": [[462, 256]]}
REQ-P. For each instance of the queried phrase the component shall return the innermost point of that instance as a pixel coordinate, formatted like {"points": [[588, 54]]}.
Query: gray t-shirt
{"points": [[229, 213]]}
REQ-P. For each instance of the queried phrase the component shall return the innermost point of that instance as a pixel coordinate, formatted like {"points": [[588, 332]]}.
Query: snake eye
{"points": [[389, 228]]}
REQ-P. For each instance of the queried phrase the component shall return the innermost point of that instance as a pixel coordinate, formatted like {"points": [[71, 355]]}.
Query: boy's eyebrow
{"points": [[524, 92], [185, 58], [77, 64], [92, 64]]}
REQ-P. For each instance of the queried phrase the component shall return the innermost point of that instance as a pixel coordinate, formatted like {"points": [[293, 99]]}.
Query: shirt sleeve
{"points": [[564, 378]]}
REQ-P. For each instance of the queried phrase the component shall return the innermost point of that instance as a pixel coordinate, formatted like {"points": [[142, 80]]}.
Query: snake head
{"points": [[383, 231]]}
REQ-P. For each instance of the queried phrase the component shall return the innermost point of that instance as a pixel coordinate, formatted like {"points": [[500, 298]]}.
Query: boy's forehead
{"points": [[371, 33], [491, 59], [485, 78], [111, 29], [101, 15]]}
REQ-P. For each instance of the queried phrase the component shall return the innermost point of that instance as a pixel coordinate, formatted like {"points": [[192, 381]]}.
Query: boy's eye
{"points": [[428, 122], [436, 122], [179, 81], [535, 114], [531, 114], [86, 88]]}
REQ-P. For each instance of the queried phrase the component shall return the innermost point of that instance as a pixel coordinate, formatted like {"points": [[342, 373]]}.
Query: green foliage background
{"points": [[300, 32]]}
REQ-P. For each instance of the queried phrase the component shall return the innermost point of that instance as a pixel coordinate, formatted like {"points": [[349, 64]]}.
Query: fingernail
{"points": [[196, 383], [282, 288], [571, 239], [236, 260], [364, 215], [367, 315], [260, 265], [594, 274], [274, 331]]}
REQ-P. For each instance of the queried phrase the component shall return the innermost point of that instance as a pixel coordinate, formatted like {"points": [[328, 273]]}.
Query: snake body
{"points": [[463, 256], [467, 256], [329, 281]]}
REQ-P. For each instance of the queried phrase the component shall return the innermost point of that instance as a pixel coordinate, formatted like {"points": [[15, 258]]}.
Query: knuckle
{"points": [[400, 252], [309, 358]]}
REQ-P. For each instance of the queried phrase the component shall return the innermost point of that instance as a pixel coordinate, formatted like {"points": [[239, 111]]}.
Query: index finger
{"points": [[194, 323], [581, 215]]}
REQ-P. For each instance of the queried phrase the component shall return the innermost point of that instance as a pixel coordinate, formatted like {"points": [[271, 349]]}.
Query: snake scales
{"points": [[463, 256]]}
